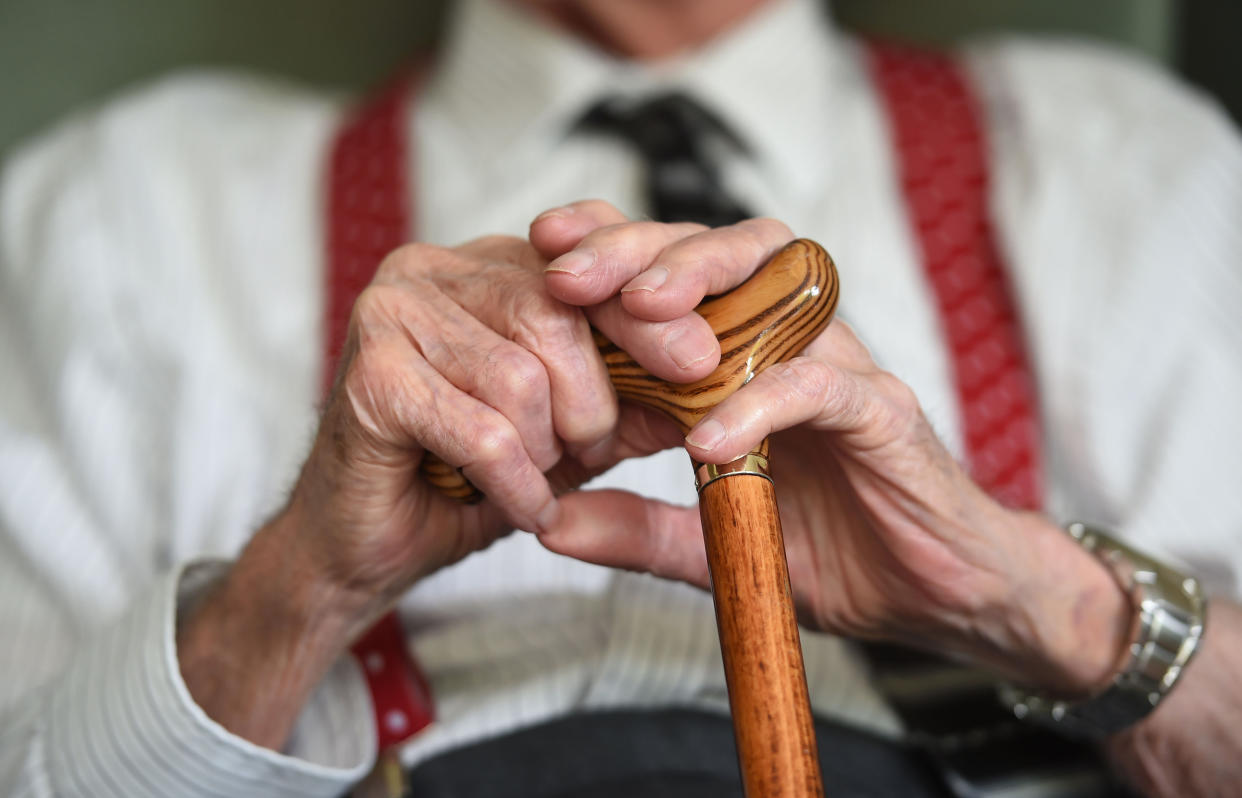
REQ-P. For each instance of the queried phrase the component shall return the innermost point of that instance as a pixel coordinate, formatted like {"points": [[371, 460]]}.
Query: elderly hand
{"points": [[887, 537], [463, 352], [466, 353]]}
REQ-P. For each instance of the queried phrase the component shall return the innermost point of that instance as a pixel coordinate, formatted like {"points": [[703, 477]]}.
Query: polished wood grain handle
{"points": [[765, 320]]}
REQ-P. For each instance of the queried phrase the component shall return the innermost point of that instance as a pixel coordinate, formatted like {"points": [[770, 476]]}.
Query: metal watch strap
{"points": [[1170, 610]]}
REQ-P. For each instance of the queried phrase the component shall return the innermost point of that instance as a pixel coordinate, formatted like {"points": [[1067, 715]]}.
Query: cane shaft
{"points": [[759, 638]]}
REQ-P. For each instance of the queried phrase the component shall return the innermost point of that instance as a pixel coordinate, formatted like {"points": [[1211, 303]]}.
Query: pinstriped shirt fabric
{"points": [[121, 723], [160, 303]]}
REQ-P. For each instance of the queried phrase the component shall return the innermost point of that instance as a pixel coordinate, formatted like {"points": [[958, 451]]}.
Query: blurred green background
{"points": [[58, 54]]}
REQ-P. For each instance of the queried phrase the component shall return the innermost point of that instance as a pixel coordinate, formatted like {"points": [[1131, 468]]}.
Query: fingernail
{"points": [[648, 281], [555, 213], [577, 262], [684, 349], [707, 436], [547, 517]]}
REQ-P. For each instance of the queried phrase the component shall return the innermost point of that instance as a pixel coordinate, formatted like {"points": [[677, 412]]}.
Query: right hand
{"points": [[463, 352]]}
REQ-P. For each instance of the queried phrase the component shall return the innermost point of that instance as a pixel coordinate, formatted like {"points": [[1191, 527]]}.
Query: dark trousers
{"points": [[654, 754]]}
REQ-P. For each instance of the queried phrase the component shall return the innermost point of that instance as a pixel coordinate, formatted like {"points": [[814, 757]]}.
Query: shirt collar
{"points": [[769, 81], [513, 86]]}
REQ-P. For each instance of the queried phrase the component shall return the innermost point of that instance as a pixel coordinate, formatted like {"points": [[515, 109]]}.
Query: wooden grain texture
{"points": [[759, 638], [449, 480], [765, 320]]}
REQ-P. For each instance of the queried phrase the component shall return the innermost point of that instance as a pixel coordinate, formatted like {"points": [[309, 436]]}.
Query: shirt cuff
{"points": [[123, 722]]}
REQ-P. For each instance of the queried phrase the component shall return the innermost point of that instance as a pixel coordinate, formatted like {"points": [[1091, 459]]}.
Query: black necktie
{"points": [[674, 135]]}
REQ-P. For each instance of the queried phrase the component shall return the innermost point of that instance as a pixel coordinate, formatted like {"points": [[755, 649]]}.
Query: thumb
{"points": [[620, 529]]}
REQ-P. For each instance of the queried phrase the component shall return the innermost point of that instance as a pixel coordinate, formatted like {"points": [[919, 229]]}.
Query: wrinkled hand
{"points": [[887, 537], [476, 354], [465, 352]]}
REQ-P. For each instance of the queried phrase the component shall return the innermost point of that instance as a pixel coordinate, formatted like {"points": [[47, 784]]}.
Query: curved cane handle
{"points": [[765, 320]]}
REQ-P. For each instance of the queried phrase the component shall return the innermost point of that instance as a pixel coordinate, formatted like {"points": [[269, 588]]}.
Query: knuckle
{"points": [[627, 239], [516, 372], [698, 266], [597, 207], [494, 242], [377, 305], [497, 446], [766, 229], [822, 387], [901, 410], [660, 546], [718, 260], [614, 240], [899, 395], [416, 257], [549, 327], [805, 379]]}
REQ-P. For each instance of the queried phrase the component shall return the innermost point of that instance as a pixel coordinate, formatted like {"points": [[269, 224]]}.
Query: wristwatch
{"points": [[1170, 609]]}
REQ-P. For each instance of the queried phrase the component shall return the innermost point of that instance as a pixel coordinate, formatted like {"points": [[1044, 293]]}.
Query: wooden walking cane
{"points": [[768, 318]]}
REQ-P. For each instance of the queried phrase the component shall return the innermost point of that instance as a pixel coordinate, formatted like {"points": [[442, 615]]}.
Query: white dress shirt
{"points": [[161, 298]]}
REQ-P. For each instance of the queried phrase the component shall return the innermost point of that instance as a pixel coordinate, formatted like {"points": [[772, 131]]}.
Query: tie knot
{"points": [[665, 126], [674, 135]]}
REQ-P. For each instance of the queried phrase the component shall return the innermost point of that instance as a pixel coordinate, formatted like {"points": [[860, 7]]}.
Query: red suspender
{"points": [[942, 165], [368, 204], [399, 690], [368, 217]]}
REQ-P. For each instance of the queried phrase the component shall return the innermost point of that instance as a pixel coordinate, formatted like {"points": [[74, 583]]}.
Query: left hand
{"points": [[887, 537]]}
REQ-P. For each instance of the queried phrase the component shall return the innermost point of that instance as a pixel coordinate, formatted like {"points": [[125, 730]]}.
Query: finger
{"points": [[794, 392], [582, 402], [682, 350], [489, 451], [554, 232], [397, 395], [475, 360], [623, 530], [499, 282], [826, 384], [700, 265], [609, 257]]}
